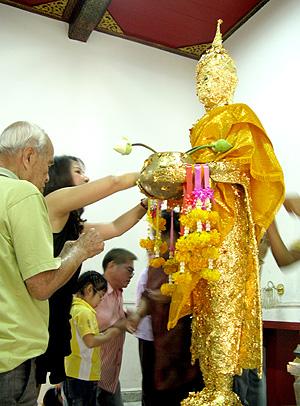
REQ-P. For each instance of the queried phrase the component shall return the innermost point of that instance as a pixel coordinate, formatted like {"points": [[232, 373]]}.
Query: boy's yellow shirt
{"points": [[83, 362]]}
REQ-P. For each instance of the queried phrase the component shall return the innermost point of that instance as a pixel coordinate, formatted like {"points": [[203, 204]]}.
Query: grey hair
{"points": [[22, 134]]}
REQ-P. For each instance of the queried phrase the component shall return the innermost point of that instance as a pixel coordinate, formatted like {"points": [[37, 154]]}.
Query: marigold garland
{"points": [[167, 289], [197, 241], [171, 266], [191, 218], [163, 247], [154, 244], [195, 250], [157, 262], [161, 224], [147, 243]]}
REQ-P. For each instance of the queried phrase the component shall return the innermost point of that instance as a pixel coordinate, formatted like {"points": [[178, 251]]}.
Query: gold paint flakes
{"points": [[216, 76], [53, 8], [109, 24], [195, 50]]}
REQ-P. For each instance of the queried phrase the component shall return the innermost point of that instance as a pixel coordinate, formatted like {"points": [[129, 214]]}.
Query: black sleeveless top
{"points": [[60, 302]]}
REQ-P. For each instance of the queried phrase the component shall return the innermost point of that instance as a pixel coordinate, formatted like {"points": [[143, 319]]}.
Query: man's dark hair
{"points": [[118, 256]]}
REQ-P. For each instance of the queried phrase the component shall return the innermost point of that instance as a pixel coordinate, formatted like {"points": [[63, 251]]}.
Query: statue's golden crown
{"points": [[218, 66], [216, 56]]}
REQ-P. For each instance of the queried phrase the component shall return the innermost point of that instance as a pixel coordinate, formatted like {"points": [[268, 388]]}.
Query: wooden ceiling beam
{"points": [[85, 17]]}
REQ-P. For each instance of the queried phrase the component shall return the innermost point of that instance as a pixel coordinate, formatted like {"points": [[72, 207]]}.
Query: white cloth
{"points": [[144, 330]]}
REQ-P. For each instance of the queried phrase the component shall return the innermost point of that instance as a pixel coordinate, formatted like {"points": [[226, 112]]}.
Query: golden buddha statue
{"points": [[248, 190]]}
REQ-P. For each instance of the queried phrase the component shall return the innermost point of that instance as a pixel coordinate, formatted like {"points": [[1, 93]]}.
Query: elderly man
{"points": [[118, 271], [29, 272]]}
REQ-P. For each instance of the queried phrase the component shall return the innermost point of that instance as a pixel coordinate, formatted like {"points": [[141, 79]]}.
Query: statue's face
{"points": [[215, 85]]}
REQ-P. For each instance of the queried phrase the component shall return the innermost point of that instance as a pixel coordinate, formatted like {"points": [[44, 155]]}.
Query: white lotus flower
{"points": [[124, 147]]}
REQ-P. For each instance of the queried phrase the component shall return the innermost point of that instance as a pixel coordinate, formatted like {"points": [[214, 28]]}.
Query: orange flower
{"points": [[163, 248], [191, 218], [161, 223], [156, 262], [170, 266], [147, 243]]}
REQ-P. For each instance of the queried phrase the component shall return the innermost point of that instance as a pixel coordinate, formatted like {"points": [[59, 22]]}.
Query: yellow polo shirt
{"points": [[83, 362], [26, 249]]}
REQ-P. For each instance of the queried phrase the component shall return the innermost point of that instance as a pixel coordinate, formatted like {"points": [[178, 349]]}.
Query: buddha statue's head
{"points": [[216, 76]]}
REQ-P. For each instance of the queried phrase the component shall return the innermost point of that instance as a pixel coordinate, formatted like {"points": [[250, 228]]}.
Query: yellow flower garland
{"points": [[196, 250], [147, 243], [153, 223], [170, 266], [191, 219], [157, 262], [155, 245], [167, 289]]}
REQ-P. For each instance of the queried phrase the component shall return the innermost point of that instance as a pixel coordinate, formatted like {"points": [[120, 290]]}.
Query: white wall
{"points": [[88, 95]]}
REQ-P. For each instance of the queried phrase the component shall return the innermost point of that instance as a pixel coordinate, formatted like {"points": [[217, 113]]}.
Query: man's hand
{"points": [[157, 296], [89, 244], [133, 320], [121, 324], [42, 285]]}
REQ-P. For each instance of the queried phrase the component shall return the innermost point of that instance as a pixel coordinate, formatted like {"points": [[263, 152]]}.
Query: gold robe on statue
{"points": [[249, 189]]}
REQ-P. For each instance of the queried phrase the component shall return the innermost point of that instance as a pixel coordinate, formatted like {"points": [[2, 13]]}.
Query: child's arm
{"points": [[93, 340]]}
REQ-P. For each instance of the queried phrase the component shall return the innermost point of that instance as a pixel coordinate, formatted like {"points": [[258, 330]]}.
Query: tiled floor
{"points": [[132, 404], [46, 386]]}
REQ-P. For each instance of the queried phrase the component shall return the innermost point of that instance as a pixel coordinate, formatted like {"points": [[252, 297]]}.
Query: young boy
{"points": [[83, 364]]}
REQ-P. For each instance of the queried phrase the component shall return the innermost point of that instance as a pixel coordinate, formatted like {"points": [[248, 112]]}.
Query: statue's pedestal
{"points": [[294, 369]]}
